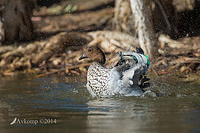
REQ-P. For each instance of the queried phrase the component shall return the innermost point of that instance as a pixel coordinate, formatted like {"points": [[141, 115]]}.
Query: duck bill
{"points": [[82, 57]]}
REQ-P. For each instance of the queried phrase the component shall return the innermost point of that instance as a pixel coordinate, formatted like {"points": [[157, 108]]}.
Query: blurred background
{"points": [[46, 36]]}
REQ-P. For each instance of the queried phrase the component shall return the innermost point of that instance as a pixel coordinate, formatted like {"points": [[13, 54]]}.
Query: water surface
{"points": [[62, 104]]}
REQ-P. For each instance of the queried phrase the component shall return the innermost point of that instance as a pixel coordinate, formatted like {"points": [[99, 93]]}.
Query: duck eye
{"points": [[89, 50]]}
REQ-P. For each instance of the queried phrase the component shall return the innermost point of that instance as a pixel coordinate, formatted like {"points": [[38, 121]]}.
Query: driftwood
{"points": [[178, 55], [167, 41], [59, 43], [186, 60], [32, 55], [60, 53], [113, 41]]}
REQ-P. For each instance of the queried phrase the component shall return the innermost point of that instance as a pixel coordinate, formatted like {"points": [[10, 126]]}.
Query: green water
{"points": [[63, 105]]}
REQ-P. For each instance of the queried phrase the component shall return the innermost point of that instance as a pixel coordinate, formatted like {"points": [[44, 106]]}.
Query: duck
{"points": [[126, 77]]}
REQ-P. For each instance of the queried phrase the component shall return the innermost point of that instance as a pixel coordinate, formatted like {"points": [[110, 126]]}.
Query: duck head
{"points": [[95, 54]]}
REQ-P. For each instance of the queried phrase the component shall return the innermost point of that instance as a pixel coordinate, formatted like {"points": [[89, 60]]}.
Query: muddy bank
{"points": [[60, 54], [60, 38]]}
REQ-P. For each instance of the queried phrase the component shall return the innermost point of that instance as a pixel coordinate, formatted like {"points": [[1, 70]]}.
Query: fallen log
{"points": [[59, 43], [167, 41], [17, 58], [113, 41], [184, 60]]}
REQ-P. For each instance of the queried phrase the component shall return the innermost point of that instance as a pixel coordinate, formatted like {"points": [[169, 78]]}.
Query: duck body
{"points": [[97, 80], [122, 79]]}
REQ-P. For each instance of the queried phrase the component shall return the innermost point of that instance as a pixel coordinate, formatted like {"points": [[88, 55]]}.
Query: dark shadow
{"points": [[47, 3], [189, 22]]}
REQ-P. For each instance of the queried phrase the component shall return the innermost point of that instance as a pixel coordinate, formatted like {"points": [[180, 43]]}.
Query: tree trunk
{"points": [[144, 25], [15, 20], [123, 19], [144, 18]]}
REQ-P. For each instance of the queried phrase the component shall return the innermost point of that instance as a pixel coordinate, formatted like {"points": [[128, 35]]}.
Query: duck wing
{"points": [[133, 67]]}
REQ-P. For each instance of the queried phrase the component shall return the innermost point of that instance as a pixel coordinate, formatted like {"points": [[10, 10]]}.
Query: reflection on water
{"points": [[59, 104]]}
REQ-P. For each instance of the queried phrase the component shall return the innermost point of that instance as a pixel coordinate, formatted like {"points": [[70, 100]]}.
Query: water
{"points": [[62, 104]]}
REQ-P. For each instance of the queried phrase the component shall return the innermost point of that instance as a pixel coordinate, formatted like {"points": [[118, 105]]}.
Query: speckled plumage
{"points": [[97, 80], [123, 79]]}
